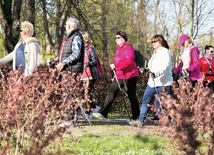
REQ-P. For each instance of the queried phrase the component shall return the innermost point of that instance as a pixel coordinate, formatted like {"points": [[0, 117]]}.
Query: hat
{"points": [[183, 38], [122, 34]]}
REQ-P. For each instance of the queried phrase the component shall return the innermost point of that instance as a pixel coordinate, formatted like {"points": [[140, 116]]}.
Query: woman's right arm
{"points": [[7, 58]]}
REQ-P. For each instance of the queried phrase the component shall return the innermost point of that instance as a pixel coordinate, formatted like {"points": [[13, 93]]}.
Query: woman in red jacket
{"points": [[207, 67], [127, 73]]}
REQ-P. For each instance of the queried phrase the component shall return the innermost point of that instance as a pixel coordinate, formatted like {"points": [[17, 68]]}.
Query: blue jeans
{"points": [[147, 98]]}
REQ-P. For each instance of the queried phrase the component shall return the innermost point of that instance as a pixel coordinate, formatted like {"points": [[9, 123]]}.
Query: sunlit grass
{"points": [[90, 144]]}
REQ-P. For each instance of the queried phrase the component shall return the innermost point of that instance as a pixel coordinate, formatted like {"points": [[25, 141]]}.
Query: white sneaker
{"points": [[99, 116], [66, 124], [95, 110], [136, 123], [88, 116], [130, 120]]}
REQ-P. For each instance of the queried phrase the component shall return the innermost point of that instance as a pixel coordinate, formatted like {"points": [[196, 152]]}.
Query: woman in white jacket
{"points": [[25, 53], [160, 66]]}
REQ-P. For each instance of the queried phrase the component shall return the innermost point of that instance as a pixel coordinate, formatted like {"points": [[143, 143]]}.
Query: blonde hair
{"points": [[87, 38], [28, 28], [73, 22]]}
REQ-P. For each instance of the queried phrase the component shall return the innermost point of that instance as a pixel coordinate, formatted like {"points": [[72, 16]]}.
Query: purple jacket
{"points": [[125, 65], [194, 67]]}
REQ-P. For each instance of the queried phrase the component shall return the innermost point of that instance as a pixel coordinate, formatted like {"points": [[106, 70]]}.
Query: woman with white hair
{"points": [[25, 53]]}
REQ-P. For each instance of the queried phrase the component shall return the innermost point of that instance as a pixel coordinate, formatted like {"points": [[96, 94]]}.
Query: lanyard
{"points": [[210, 63]]}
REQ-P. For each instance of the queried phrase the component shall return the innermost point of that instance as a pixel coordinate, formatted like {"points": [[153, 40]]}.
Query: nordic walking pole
{"points": [[81, 108], [158, 98], [119, 84], [121, 89]]}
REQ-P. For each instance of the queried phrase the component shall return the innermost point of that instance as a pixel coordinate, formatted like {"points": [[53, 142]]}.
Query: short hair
{"points": [[123, 34], [207, 47], [28, 28], [161, 39], [87, 37], [73, 22]]}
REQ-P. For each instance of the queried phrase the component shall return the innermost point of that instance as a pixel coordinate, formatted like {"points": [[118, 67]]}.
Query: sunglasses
{"points": [[154, 41], [117, 38]]}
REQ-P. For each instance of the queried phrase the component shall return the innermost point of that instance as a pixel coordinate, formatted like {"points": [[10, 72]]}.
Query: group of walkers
{"points": [[77, 55]]}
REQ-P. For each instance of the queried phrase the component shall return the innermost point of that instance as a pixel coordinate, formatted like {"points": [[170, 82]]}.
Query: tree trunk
{"points": [[104, 34], [30, 11], [11, 22]]}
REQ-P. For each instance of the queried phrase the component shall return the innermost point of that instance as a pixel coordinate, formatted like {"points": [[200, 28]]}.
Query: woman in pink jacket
{"points": [[189, 67], [127, 74]]}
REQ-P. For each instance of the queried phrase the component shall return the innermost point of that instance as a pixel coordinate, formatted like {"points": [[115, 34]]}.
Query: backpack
{"points": [[139, 59]]}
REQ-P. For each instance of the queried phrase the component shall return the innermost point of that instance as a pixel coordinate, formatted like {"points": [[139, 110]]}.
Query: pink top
{"points": [[125, 65], [194, 67]]}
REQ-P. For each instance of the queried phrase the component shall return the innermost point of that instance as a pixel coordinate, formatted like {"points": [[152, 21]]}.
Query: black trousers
{"points": [[113, 91]]}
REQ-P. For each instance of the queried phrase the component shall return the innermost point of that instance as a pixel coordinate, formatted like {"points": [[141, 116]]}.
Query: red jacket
{"points": [[205, 67], [125, 65]]}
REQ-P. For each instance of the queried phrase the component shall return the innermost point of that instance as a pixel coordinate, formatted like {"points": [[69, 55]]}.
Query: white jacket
{"points": [[161, 65], [31, 55]]}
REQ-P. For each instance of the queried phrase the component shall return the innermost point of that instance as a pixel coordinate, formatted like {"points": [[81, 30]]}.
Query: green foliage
{"points": [[120, 144], [1, 44]]}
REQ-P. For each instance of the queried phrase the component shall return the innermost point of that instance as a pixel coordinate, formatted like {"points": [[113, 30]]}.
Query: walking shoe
{"points": [[99, 116], [88, 116], [130, 120], [95, 110], [136, 123]]}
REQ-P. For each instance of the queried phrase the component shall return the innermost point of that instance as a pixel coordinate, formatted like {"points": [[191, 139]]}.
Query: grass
{"points": [[90, 144]]}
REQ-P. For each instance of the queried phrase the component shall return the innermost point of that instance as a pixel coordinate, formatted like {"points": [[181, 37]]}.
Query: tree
{"points": [[11, 16], [11, 22]]}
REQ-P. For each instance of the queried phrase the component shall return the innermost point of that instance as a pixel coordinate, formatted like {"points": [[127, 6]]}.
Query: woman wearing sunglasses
{"points": [[207, 67], [160, 66], [126, 75]]}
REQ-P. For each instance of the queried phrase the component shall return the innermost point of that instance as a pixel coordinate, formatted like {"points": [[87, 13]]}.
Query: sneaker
{"points": [[88, 116], [130, 120], [136, 123], [99, 116], [66, 124], [95, 110]]}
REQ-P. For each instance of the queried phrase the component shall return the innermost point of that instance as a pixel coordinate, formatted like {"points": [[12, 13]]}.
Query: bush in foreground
{"points": [[191, 110]]}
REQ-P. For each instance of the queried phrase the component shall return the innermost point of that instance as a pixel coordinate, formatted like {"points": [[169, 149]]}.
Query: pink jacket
{"points": [[194, 67], [125, 65]]}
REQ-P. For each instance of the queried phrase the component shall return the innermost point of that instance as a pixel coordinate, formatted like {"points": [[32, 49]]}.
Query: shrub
{"points": [[192, 111], [32, 108]]}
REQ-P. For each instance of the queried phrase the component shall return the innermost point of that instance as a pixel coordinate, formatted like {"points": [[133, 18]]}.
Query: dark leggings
{"points": [[113, 91], [91, 86]]}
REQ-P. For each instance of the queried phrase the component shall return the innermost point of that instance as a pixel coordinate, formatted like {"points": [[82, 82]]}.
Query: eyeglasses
{"points": [[154, 41], [117, 38]]}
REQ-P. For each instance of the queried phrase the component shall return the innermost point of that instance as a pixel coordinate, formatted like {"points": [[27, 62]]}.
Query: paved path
{"points": [[113, 126]]}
